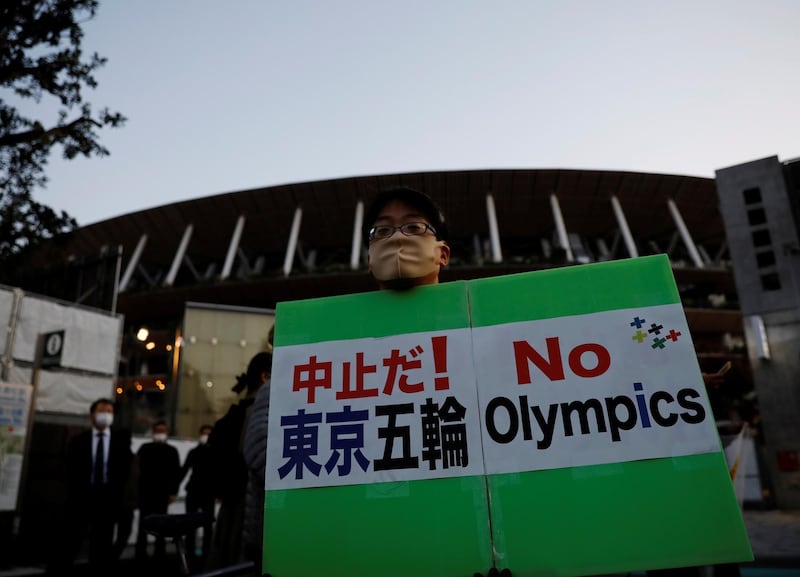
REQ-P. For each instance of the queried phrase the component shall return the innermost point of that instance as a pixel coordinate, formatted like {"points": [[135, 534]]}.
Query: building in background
{"points": [[760, 205], [253, 249]]}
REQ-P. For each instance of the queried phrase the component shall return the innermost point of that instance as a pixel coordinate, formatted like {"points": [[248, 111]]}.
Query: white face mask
{"points": [[203, 439], [103, 420], [160, 437], [401, 256]]}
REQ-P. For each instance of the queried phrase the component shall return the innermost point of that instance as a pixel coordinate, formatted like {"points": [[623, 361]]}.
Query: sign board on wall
{"points": [[80, 352], [572, 397], [15, 404], [53, 349]]}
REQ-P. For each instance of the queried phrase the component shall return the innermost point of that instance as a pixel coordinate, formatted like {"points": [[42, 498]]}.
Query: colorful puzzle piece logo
{"points": [[660, 336]]}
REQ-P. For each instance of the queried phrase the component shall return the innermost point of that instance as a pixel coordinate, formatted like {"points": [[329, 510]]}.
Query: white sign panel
{"points": [[361, 411], [91, 340], [583, 390]]}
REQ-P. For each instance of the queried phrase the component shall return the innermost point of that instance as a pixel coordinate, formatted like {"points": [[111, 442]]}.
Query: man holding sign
{"points": [[551, 422]]}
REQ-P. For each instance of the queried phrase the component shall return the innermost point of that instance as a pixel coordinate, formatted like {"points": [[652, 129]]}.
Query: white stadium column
{"points": [[561, 229], [494, 231], [687, 238], [355, 252], [176, 262], [294, 235], [622, 222], [133, 263], [232, 248]]}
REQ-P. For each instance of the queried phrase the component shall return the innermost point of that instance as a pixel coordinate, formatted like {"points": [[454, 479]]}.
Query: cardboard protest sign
{"points": [[374, 463], [571, 397], [600, 446]]}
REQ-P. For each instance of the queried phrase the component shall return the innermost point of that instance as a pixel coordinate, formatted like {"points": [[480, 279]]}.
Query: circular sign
{"points": [[53, 344]]}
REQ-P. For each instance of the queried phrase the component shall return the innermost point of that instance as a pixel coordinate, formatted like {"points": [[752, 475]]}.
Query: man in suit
{"points": [[200, 492], [159, 477], [98, 464]]}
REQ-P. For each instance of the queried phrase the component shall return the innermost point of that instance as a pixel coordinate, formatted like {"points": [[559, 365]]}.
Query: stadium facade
{"points": [[247, 251]]}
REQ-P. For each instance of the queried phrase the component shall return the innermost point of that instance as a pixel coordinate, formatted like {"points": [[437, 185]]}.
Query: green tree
{"points": [[41, 56]]}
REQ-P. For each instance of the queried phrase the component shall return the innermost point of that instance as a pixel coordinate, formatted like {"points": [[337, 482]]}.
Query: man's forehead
{"points": [[399, 209]]}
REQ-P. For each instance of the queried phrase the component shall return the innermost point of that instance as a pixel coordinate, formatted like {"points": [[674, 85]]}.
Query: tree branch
{"points": [[40, 133]]}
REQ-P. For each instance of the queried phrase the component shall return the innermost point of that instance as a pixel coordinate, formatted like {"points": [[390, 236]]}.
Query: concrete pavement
{"points": [[775, 536]]}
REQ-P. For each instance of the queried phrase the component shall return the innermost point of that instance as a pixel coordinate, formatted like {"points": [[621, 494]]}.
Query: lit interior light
{"points": [[138, 386], [160, 384], [209, 384], [178, 342], [214, 341], [193, 339], [120, 390], [142, 334], [243, 343], [150, 346], [169, 348]]}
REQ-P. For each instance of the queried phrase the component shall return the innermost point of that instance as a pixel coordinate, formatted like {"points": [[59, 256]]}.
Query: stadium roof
{"points": [[522, 200], [525, 218]]}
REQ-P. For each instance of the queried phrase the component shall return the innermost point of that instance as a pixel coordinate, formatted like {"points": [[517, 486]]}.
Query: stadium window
{"points": [[761, 238], [752, 195], [756, 216], [765, 259], [771, 282]]}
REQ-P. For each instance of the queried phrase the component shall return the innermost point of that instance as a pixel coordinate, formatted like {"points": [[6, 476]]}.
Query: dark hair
{"points": [[160, 424], [414, 198], [261, 363], [103, 401], [204, 427]]}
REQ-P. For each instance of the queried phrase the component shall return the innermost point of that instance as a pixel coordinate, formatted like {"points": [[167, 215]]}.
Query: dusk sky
{"points": [[229, 96]]}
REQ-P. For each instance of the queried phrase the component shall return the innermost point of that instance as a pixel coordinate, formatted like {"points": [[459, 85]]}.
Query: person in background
{"points": [[230, 482], [159, 476], [254, 451], [200, 493], [98, 464], [130, 500]]}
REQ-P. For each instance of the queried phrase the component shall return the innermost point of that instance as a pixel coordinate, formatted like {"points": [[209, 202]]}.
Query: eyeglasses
{"points": [[384, 231]]}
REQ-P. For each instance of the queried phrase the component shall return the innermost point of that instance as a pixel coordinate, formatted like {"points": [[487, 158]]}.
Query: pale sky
{"points": [[226, 96]]}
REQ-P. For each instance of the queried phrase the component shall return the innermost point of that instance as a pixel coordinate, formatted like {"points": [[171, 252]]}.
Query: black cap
{"points": [[414, 198]]}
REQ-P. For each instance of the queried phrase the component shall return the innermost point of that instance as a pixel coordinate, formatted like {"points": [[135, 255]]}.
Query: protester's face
{"points": [[103, 415], [402, 261]]}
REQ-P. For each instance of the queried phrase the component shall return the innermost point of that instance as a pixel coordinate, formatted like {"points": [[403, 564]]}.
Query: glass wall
{"points": [[215, 345]]}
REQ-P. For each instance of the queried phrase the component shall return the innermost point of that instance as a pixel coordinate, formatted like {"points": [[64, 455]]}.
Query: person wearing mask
{"points": [[130, 501], [199, 493], [98, 464], [407, 248], [255, 456], [407, 239], [159, 477]]}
